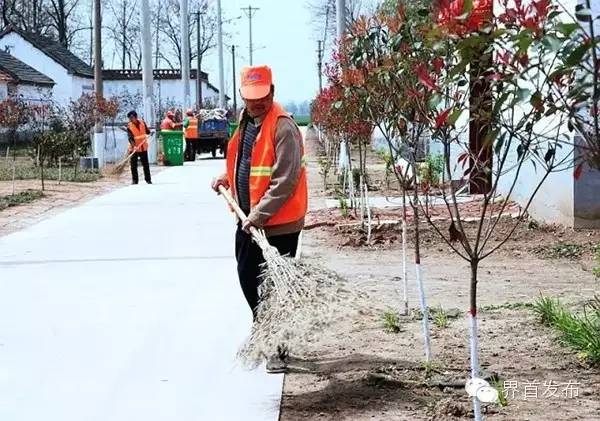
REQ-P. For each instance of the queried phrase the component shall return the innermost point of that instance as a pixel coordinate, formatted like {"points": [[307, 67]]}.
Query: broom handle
{"points": [[240, 213]]}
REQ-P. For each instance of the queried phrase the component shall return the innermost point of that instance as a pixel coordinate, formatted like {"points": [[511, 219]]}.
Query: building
{"points": [[71, 76], [19, 79], [168, 87]]}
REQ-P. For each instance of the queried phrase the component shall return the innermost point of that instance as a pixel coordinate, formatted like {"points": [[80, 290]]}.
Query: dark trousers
{"points": [[249, 258], [143, 156], [190, 152]]}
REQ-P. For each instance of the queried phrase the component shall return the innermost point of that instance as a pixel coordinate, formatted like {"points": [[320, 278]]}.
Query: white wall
{"points": [[3, 90], [34, 93], [170, 90], [555, 201], [66, 88], [80, 86], [111, 145]]}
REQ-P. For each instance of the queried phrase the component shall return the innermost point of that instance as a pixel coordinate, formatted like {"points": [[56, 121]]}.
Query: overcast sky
{"points": [[284, 39]]}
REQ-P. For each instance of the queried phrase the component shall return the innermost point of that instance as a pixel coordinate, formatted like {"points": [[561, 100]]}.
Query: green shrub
{"points": [[19, 198]]}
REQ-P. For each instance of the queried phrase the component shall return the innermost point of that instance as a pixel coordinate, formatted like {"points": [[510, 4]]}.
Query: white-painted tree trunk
{"points": [[59, 170], [425, 312], [474, 361], [404, 274], [368, 210]]}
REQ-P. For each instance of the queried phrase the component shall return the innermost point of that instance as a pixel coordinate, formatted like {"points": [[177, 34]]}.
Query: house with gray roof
{"points": [[19, 79], [72, 77]]}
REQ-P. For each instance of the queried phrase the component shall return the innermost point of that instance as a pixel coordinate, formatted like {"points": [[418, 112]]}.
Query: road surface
{"points": [[128, 308]]}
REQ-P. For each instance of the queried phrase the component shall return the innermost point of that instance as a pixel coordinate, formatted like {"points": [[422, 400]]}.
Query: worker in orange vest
{"points": [[266, 175], [169, 122], [190, 133], [137, 132]]}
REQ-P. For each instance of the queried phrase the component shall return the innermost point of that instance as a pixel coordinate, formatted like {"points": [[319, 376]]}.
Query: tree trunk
{"points": [[473, 336], [404, 273], [42, 171], [424, 309], [14, 166]]}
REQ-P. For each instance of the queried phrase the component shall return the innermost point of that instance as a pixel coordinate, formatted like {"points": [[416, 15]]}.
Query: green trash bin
{"points": [[172, 147]]}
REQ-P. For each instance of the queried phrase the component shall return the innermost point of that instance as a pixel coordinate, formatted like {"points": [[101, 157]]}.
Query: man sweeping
{"points": [[266, 176], [137, 132]]}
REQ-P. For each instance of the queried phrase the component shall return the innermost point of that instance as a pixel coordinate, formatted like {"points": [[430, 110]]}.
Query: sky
{"points": [[284, 38]]}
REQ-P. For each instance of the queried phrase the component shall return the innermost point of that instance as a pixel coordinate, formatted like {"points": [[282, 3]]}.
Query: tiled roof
{"points": [[55, 51], [21, 72], [158, 74]]}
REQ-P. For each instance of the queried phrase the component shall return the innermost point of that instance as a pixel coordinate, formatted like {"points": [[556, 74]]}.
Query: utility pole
{"points": [[92, 36], [147, 75], [156, 57], [185, 54], [249, 11], [198, 63], [320, 64], [234, 81], [341, 18], [222, 102], [98, 88]]}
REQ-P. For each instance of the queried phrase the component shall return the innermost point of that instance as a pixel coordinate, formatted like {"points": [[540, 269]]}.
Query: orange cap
{"points": [[256, 82]]}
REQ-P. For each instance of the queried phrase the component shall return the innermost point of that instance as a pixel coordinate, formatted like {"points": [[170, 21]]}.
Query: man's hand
{"points": [[220, 181], [247, 226]]}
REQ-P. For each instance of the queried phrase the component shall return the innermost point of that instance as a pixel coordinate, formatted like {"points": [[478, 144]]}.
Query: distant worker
{"points": [[190, 132], [138, 132], [169, 122], [266, 175]]}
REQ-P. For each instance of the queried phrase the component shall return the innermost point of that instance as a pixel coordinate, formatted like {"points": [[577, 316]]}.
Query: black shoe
{"points": [[149, 182], [134, 182]]}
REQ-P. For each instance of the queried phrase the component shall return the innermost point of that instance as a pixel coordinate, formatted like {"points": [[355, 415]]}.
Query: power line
{"points": [[249, 11]]}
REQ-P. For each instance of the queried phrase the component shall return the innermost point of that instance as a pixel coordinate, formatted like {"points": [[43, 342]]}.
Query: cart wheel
{"points": [[214, 152]]}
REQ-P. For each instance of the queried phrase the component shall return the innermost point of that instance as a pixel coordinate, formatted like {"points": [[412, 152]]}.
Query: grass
{"points": [[561, 251], [302, 120], [391, 321], [19, 198], [343, 205], [25, 170], [440, 318], [508, 306], [579, 331], [499, 386]]}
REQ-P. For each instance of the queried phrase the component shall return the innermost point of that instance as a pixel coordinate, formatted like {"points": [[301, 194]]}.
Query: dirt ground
{"points": [[363, 372], [57, 197]]}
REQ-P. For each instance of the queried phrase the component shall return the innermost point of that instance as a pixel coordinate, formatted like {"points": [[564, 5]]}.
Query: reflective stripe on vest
{"points": [[191, 131], [267, 171], [262, 160]]}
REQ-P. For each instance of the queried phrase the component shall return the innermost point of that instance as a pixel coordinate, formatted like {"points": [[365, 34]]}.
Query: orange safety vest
{"points": [[261, 167], [191, 131], [139, 136], [167, 124]]}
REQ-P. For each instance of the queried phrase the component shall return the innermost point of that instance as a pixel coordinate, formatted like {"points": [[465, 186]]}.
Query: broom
{"points": [[117, 169], [298, 301]]}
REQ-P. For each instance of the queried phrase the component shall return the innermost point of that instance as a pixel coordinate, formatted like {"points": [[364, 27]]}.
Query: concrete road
{"points": [[128, 308]]}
